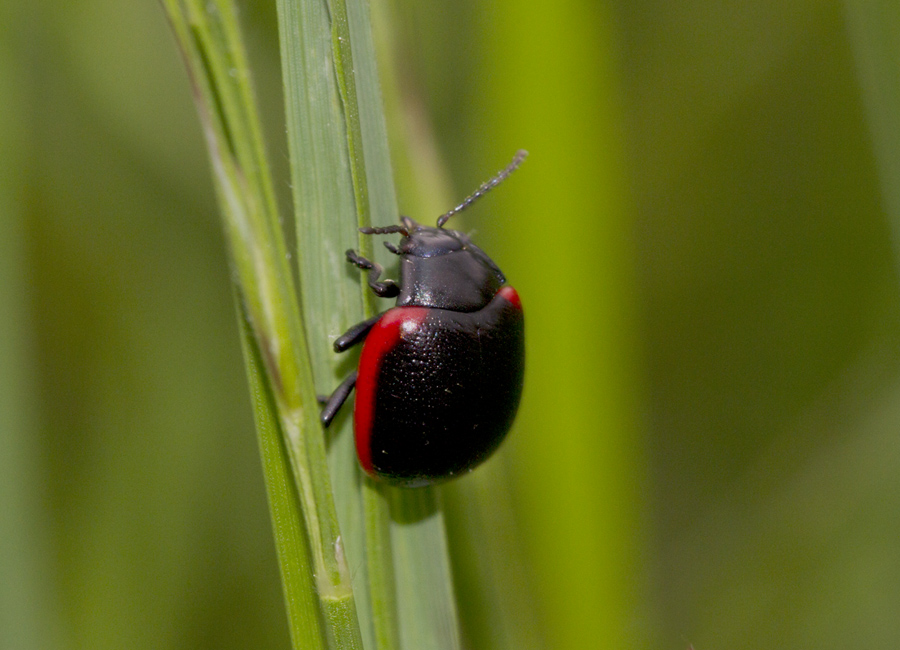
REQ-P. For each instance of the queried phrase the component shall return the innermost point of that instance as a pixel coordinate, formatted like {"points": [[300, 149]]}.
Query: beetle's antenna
{"points": [[385, 230], [485, 187], [408, 226]]}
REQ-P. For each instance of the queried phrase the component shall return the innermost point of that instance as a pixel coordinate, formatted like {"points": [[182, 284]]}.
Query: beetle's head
{"points": [[419, 240], [425, 241], [428, 241]]}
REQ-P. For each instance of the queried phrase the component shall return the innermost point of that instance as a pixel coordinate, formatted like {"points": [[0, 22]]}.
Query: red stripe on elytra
{"points": [[511, 295], [383, 337]]}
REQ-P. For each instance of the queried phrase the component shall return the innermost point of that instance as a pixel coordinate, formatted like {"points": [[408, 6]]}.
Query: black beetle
{"points": [[440, 374]]}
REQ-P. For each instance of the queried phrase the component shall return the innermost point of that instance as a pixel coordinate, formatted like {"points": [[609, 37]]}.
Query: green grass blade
{"points": [[212, 48], [293, 554], [360, 93], [380, 563], [426, 614], [372, 121], [341, 176], [325, 224], [325, 201]]}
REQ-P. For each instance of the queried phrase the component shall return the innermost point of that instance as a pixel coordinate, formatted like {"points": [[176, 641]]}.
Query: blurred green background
{"points": [[707, 451]]}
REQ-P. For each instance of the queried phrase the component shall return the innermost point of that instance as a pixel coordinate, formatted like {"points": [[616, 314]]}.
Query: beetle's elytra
{"points": [[440, 374]]}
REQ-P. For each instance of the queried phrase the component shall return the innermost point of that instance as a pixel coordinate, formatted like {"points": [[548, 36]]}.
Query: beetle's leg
{"points": [[386, 289], [337, 399], [355, 334]]}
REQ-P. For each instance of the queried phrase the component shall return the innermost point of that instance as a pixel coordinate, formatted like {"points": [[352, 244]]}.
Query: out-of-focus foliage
{"points": [[770, 328], [707, 450]]}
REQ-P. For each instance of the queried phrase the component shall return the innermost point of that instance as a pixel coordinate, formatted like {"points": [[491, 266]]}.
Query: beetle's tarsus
{"points": [[386, 289]]}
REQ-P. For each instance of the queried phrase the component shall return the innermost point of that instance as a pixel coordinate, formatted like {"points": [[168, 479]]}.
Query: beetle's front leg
{"points": [[355, 334], [386, 289]]}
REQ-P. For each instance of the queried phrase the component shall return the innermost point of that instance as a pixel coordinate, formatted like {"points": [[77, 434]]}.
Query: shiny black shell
{"points": [[438, 389]]}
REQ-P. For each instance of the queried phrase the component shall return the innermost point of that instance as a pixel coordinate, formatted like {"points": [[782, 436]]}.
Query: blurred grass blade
{"points": [[428, 619], [499, 609], [26, 583], [874, 28], [210, 42], [578, 493]]}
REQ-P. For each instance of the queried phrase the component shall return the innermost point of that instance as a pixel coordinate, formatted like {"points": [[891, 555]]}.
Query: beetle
{"points": [[440, 374]]}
